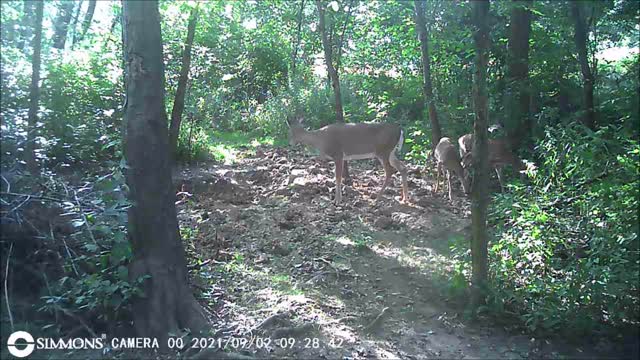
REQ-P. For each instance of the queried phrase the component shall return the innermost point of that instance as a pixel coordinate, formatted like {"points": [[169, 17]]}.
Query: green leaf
{"points": [[123, 273]]}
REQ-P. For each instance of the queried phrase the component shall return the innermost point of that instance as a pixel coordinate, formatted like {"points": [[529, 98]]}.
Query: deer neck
{"points": [[312, 138]]}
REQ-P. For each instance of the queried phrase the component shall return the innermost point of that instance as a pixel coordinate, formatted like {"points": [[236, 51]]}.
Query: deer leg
{"points": [[398, 165], [387, 175], [438, 168], [463, 180], [345, 172], [449, 183], [339, 164], [498, 172]]}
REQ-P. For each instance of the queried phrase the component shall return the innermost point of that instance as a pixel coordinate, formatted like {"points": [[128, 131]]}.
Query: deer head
{"points": [[449, 161], [295, 129]]}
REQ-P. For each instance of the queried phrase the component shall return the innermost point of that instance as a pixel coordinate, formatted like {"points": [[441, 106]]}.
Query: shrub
{"points": [[565, 254]]}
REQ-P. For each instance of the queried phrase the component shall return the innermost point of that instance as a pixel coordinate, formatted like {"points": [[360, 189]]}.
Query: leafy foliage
{"points": [[97, 282], [566, 249]]}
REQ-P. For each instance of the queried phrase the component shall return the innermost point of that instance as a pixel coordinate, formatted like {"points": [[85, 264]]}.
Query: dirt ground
{"points": [[286, 273]]}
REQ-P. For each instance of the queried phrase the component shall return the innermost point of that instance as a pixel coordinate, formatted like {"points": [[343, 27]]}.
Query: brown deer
{"points": [[500, 155], [447, 158], [341, 142]]}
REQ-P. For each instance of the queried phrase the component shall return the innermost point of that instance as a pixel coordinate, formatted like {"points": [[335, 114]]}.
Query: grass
{"points": [[224, 147]]}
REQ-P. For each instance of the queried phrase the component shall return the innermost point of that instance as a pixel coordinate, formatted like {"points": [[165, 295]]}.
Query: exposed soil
{"points": [[286, 273]]}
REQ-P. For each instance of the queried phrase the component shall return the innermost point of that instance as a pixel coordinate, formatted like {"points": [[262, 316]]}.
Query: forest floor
{"points": [[286, 273]]}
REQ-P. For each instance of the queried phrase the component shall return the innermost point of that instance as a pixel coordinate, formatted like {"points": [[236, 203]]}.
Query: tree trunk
{"points": [[427, 87], [342, 36], [178, 103], [580, 37], [518, 92], [480, 196], [74, 23], [333, 74], [294, 55], [86, 23], [65, 10], [26, 27], [168, 304], [34, 93]]}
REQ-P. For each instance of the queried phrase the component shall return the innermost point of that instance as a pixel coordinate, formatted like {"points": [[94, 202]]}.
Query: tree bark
{"points": [[480, 196], [26, 26], [86, 23], [168, 304], [294, 55], [74, 23], [580, 37], [340, 46], [518, 92], [178, 103], [427, 86], [333, 74], [65, 10], [34, 93]]}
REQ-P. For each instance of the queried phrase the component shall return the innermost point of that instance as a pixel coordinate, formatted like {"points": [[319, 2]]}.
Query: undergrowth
{"points": [[68, 252], [563, 254]]}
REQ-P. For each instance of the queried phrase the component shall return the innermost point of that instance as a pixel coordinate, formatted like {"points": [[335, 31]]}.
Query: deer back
{"points": [[500, 154], [351, 141], [447, 155]]}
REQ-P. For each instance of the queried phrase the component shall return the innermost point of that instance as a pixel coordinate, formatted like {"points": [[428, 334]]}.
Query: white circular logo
{"points": [[27, 342]]}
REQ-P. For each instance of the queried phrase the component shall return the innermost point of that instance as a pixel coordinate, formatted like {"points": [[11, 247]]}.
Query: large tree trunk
{"points": [[61, 27], [168, 304], [333, 74], [421, 28], [34, 93], [518, 93], [480, 196], [86, 23], [178, 103], [580, 37]]}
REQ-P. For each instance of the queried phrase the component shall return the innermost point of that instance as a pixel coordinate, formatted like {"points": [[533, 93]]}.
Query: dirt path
{"points": [[295, 276]]}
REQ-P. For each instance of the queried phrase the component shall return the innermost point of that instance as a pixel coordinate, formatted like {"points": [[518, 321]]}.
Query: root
{"points": [[376, 322], [169, 304], [6, 291], [270, 320]]}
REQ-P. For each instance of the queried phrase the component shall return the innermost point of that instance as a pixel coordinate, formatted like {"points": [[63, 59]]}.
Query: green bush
{"points": [[193, 143], [566, 250], [95, 284], [81, 123], [270, 118]]}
